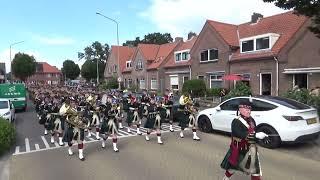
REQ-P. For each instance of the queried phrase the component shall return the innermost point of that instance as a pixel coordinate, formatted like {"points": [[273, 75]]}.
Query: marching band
{"points": [[70, 113]]}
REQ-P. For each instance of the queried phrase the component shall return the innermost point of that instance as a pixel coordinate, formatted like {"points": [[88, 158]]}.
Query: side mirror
{"points": [[218, 108]]}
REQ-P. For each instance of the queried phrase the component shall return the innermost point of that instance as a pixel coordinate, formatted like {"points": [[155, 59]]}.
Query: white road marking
{"points": [[56, 144], [17, 150], [37, 146], [26, 140], [45, 142], [124, 132]]}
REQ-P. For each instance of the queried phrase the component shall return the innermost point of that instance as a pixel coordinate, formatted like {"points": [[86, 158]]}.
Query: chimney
{"points": [[256, 17], [178, 39]]}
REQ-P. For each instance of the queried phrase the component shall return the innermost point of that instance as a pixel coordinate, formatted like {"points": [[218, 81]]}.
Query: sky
{"points": [[53, 31]]}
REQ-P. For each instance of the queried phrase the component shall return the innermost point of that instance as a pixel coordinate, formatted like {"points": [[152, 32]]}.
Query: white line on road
{"points": [[56, 144], [17, 150], [37, 146], [124, 132], [26, 140], [45, 142]]}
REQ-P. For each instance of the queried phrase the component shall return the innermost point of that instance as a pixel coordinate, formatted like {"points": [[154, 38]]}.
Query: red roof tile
{"points": [[149, 51], [183, 46], [47, 68], [285, 24], [163, 52], [126, 53]]}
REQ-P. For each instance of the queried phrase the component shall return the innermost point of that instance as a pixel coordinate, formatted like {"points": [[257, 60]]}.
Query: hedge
{"points": [[241, 89], [196, 87], [7, 135]]}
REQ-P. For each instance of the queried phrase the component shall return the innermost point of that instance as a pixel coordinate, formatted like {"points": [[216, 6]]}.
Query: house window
{"points": [[129, 83], [178, 57], [185, 78], [154, 83], [185, 56], [201, 77], [139, 65], [262, 43], [182, 56], [300, 80], [128, 64], [142, 84], [174, 82], [48, 75], [114, 68], [216, 81], [247, 46], [209, 55]]}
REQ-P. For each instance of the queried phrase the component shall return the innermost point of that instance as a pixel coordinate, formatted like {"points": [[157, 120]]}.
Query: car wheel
{"points": [[204, 124], [270, 142]]}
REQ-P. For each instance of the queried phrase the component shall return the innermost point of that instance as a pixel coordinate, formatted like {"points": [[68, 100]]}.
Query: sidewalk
{"points": [[5, 166]]}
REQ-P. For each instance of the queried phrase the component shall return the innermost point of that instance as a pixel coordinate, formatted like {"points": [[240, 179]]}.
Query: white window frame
{"points": [[153, 83], [293, 79], [261, 81], [171, 76], [208, 51], [216, 79], [139, 65], [129, 83], [181, 52], [128, 63], [144, 82], [271, 37]]}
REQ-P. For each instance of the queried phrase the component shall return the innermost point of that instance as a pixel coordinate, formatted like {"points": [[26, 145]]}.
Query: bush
{"points": [[7, 135], [216, 92], [195, 87], [304, 96], [241, 89], [111, 84]]}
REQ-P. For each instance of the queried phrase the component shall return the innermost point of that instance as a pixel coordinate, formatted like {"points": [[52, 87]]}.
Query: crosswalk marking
{"points": [[122, 134], [26, 140], [17, 149], [45, 142], [37, 146]]}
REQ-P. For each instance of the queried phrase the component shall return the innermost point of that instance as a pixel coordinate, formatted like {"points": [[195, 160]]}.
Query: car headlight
{"points": [[7, 113]]}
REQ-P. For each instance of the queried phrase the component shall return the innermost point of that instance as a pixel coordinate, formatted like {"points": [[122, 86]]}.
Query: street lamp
{"points": [[117, 42], [11, 60]]}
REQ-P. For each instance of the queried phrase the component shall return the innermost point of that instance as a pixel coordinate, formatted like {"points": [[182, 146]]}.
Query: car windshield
{"points": [[3, 104], [288, 103]]}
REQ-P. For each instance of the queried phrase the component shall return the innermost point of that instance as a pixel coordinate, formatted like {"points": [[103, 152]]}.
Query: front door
{"points": [[265, 84]]}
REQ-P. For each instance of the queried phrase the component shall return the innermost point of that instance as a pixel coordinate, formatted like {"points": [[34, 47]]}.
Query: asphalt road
{"points": [[138, 159]]}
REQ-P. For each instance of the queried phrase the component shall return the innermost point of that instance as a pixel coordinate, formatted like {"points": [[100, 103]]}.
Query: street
{"points": [[35, 158]]}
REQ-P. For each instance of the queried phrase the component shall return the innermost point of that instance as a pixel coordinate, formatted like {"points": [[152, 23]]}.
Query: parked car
{"points": [[7, 110], [285, 120]]}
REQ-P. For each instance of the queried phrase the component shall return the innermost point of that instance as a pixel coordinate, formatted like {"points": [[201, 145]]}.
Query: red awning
{"points": [[232, 77]]}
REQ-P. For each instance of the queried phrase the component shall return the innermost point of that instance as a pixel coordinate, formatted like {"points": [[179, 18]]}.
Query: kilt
{"points": [[69, 135], [106, 129], [150, 122]]}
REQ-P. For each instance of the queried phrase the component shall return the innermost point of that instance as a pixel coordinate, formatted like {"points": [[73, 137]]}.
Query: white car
{"points": [[7, 110], [285, 120]]}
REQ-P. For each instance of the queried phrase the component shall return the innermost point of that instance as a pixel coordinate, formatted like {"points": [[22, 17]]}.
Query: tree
{"points": [[23, 66], [151, 38], [70, 69], [92, 54], [191, 34], [309, 8]]}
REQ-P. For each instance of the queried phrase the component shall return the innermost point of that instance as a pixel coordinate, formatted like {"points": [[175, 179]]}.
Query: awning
{"points": [[302, 70], [232, 77]]}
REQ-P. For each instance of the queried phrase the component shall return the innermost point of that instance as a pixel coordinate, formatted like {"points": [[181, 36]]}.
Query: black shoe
{"points": [[171, 130], [82, 159]]}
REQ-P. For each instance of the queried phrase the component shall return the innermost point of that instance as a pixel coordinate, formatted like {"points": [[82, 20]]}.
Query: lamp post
{"points": [[118, 64], [11, 60]]}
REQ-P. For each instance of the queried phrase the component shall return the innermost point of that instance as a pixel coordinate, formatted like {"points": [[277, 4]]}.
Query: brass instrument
{"points": [[184, 100], [73, 117]]}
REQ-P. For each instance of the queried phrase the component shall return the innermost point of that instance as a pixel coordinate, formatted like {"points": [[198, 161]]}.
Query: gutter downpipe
{"points": [[190, 72], [277, 72]]}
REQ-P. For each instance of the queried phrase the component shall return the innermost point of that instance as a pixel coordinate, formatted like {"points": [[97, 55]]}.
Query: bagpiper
{"points": [[75, 131], [167, 105], [57, 123], [93, 116], [109, 126], [243, 152], [133, 115], [153, 120], [187, 118]]}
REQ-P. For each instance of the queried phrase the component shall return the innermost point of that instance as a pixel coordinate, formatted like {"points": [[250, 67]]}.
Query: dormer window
{"points": [[128, 64], [257, 43], [182, 55], [139, 65]]}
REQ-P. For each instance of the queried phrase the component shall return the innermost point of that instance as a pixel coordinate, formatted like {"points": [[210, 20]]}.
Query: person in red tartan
{"points": [[243, 152]]}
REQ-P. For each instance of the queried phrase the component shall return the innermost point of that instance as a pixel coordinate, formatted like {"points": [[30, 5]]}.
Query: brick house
{"points": [[2, 73], [178, 66], [46, 74], [271, 54]]}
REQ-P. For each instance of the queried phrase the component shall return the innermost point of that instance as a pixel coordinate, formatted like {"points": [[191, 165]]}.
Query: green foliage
{"points": [[95, 51], [23, 66], [112, 84], [214, 92], [195, 87], [241, 89], [304, 96], [89, 69], [191, 34], [7, 135], [70, 69], [151, 38], [309, 8]]}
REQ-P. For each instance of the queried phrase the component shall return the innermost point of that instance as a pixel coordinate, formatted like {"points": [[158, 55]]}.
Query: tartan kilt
{"points": [[106, 129], [183, 119], [150, 123], [68, 135], [130, 117]]}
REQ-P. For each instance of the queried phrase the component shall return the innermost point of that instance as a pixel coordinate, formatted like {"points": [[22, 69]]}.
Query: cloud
{"points": [[53, 40], [5, 56], [178, 17]]}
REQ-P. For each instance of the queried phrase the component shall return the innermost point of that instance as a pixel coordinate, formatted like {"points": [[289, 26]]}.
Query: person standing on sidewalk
{"points": [[243, 153]]}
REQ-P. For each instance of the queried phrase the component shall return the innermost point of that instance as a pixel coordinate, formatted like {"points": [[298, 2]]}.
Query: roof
{"points": [[285, 24], [163, 52], [47, 68], [125, 55], [149, 51], [183, 46]]}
